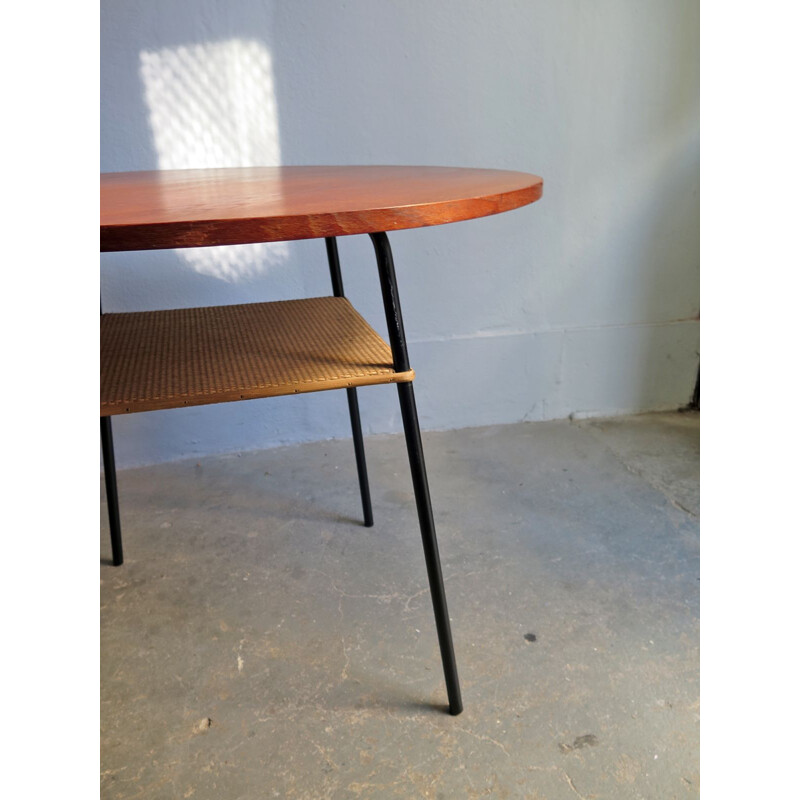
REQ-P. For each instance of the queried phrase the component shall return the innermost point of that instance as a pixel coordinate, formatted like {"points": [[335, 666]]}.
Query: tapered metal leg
{"points": [[361, 461], [352, 396], [419, 478], [110, 470], [408, 408]]}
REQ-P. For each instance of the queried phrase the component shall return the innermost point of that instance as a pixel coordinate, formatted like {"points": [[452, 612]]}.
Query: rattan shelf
{"points": [[184, 357]]}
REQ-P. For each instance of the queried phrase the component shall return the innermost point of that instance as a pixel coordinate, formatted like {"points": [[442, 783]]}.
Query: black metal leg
{"points": [[352, 396], [110, 470], [361, 461], [419, 478], [408, 408]]}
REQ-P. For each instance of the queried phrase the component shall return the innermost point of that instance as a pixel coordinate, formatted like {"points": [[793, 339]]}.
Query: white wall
{"points": [[586, 302]]}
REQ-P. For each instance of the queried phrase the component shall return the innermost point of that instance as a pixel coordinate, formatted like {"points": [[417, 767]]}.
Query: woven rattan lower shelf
{"points": [[184, 357]]}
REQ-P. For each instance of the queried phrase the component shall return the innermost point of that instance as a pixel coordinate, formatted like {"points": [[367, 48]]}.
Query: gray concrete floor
{"points": [[259, 642]]}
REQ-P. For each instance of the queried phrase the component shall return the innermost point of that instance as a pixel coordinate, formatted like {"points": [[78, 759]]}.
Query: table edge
{"points": [[250, 230]]}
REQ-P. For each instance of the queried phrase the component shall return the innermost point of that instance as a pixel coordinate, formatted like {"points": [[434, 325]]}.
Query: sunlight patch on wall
{"points": [[213, 105]]}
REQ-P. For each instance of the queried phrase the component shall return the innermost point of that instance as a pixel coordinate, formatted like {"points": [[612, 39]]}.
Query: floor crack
{"points": [[486, 739], [572, 784]]}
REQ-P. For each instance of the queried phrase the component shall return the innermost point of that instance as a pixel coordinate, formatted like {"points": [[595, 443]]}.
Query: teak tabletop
{"points": [[207, 207]]}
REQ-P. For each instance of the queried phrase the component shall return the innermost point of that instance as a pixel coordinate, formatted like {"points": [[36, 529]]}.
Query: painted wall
{"points": [[585, 303]]}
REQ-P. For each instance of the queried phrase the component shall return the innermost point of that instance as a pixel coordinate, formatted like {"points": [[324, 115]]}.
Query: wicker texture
{"points": [[168, 359]]}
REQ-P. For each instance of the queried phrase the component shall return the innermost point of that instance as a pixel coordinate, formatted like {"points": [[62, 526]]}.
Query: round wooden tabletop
{"points": [[206, 207]]}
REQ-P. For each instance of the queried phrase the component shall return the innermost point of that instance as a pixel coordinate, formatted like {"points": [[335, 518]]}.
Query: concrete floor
{"points": [[258, 642]]}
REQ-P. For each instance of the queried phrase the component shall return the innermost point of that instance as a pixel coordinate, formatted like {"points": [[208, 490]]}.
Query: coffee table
{"points": [[184, 357]]}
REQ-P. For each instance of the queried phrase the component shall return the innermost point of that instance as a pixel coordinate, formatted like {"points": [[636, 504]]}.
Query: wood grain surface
{"points": [[203, 208]]}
